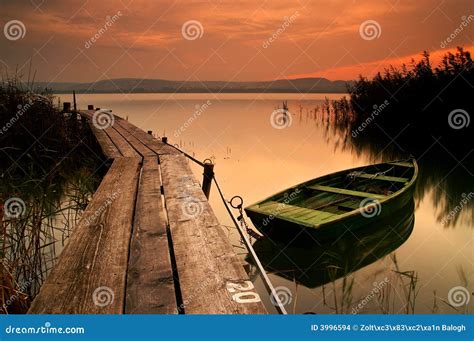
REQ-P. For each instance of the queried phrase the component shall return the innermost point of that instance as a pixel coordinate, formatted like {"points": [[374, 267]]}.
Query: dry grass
{"points": [[47, 160]]}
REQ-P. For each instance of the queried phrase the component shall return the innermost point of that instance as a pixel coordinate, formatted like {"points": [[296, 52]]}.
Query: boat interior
{"points": [[313, 265], [325, 198]]}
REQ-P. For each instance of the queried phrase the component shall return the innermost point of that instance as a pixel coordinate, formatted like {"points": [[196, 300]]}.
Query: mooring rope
{"points": [[266, 280], [241, 218], [268, 284], [186, 154]]}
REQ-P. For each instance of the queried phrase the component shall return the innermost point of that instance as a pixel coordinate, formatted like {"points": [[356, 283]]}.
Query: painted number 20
{"points": [[241, 292]]}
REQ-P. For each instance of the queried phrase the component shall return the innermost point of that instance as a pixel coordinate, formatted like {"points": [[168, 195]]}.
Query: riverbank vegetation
{"points": [[413, 101], [420, 110], [49, 168]]}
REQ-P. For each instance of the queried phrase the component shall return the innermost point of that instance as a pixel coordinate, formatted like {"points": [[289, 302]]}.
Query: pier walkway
{"points": [[148, 242]]}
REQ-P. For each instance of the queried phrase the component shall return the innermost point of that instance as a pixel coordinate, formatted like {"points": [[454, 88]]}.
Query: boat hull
{"points": [[321, 263], [277, 227]]}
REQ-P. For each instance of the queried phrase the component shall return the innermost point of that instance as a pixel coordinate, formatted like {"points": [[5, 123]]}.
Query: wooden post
{"points": [[83, 122], [150, 132], [164, 139], [74, 99], [208, 175], [90, 107], [66, 106]]}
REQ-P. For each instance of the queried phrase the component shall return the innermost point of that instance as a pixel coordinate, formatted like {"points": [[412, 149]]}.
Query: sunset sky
{"points": [[232, 41]]}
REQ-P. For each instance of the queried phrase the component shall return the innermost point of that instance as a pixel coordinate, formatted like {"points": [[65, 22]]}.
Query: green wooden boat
{"points": [[332, 204], [317, 264]]}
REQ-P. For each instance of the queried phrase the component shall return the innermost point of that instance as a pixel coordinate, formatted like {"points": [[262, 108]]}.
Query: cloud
{"points": [[146, 41], [369, 69]]}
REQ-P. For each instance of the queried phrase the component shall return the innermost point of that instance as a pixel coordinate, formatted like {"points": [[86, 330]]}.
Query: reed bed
{"points": [[419, 110], [49, 166]]}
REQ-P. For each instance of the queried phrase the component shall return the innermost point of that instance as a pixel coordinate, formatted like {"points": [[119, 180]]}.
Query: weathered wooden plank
{"points": [[106, 144], [108, 148], [157, 146], [134, 142], [351, 204], [381, 177], [402, 164], [139, 133], [90, 275], [94, 273], [275, 207], [150, 285], [87, 113], [303, 214], [122, 144], [347, 192], [211, 277], [118, 140]]}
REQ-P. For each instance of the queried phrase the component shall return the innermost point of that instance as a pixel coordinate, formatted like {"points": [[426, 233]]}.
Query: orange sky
{"points": [[369, 69], [235, 40]]}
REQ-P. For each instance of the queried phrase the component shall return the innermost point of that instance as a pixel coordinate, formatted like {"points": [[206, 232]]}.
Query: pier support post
{"points": [[90, 107], [66, 106], [164, 139], [208, 174], [150, 132]]}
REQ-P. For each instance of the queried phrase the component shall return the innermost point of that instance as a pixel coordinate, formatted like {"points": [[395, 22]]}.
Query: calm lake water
{"points": [[412, 266]]}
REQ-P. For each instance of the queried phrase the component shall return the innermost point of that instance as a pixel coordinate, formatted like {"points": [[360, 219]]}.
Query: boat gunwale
{"points": [[349, 214]]}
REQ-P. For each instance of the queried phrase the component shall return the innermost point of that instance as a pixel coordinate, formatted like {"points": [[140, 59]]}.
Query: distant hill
{"points": [[135, 85]]}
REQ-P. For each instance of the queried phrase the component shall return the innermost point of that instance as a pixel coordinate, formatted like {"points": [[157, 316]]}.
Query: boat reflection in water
{"points": [[315, 265]]}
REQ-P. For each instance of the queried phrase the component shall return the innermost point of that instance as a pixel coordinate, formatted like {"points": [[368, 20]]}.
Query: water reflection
{"points": [[320, 264], [446, 166], [255, 160]]}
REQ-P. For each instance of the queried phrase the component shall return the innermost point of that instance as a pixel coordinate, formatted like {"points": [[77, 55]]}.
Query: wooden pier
{"points": [[148, 242]]}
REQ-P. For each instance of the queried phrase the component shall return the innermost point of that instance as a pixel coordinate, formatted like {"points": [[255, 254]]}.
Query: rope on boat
{"points": [[355, 174], [279, 306]]}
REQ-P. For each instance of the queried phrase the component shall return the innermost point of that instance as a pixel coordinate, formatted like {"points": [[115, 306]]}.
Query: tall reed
{"points": [[49, 167]]}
